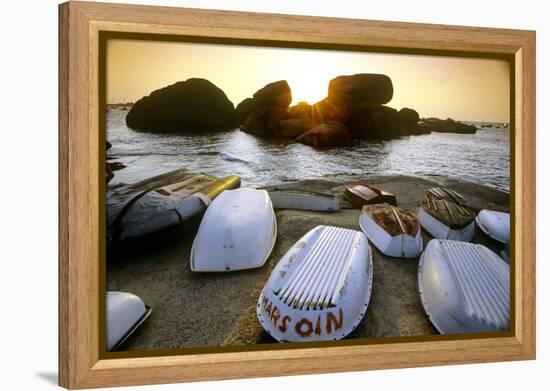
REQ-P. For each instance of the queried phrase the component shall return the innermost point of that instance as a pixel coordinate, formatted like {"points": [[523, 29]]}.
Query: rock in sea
{"points": [[302, 110], [363, 87], [327, 134], [445, 126], [336, 107], [244, 109], [194, 105], [266, 110], [276, 94], [291, 128]]}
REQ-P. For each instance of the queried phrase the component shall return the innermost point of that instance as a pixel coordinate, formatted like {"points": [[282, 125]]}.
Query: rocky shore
{"points": [[355, 109], [195, 310]]}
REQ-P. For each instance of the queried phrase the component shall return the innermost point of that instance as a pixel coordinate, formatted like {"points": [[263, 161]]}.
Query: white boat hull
{"points": [[320, 289], [441, 231], [160, 202], [401, 246], [495, 224], [125, 312], [238, 231], [283, 199], [464, 287]]}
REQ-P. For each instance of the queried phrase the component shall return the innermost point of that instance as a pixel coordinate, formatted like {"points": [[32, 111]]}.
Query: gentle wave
{"points": [[482, 158], [230, 158]]}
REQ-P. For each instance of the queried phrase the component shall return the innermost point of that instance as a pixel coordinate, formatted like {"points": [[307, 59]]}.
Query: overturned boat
{"points": [[237, 232], [125, 313], [360, 195], [495, 224], [447, 220], [304, 200], [394, 231], [320, 289], [444, 193], [464, 287], [161, 202]]}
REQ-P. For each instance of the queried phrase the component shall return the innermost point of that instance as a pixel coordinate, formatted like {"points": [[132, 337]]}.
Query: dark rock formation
{"points": [[408, 122], [108, 173], [338, 107], [347, 97], [274, 118], [276, 94], [327, 134], [301, 110], [264, 122], [194, 105], [408, 117], [291, 128], [445, 126], [266, 110], [107, 145], [255, 123], [244, 109], [354, 102], [363, 87], [375, 121], [116, 166]]}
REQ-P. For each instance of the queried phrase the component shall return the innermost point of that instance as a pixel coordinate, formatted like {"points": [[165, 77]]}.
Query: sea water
{"points": [[482, 158]]}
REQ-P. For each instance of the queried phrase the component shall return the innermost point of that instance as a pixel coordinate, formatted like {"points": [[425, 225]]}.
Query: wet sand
{"points": [[219, 309]]}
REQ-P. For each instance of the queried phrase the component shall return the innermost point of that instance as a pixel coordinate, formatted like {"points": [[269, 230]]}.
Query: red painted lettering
{"points": [[300, 328], [318, 326], [338, 323], [275, 315], [284, 322]]}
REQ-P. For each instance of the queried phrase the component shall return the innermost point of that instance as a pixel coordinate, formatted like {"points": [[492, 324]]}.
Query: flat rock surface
{"points": [[219, 309]]}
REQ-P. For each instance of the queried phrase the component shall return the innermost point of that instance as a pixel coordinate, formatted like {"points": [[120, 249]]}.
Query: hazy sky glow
{"points": [[461, 88]]}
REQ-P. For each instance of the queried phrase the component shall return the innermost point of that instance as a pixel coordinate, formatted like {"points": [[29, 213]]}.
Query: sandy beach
{"points": [[198, 310]]}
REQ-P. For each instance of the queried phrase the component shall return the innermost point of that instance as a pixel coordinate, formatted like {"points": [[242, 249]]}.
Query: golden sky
{"points": [[460, 88]]}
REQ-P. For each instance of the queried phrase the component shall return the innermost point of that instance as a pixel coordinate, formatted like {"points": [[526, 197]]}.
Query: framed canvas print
{"points": [[247, 195]]}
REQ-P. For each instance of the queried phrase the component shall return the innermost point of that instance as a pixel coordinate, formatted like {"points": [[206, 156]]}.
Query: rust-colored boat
{"points": [[447, 220], [360, 195], [394, 231], [444, 193]]}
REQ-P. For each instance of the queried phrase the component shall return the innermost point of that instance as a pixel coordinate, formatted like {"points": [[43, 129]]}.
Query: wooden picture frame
{"points": [[82, 364]]}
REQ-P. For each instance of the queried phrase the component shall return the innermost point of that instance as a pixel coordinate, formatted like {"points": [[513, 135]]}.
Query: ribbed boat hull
{"points": [[464, 287], [320, 289]]}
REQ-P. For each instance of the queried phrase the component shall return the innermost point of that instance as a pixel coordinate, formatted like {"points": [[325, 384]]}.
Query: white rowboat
{"points": [[447, 220], [394, 231], [237, 232], [320, 289], [464, 287], [444, 193], [161, 202], [302, 200], [495, 224], [125, 313]]}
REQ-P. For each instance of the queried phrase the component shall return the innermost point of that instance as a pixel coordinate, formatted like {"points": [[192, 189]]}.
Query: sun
{"points": [[309, 76], [308, 89]]}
